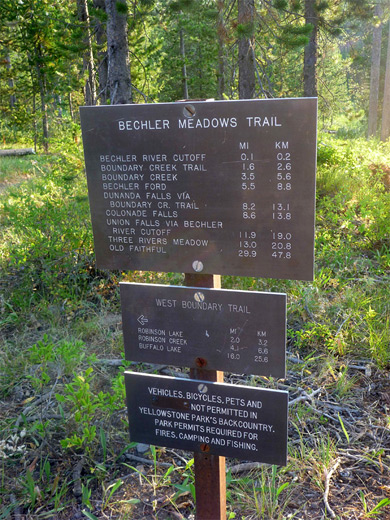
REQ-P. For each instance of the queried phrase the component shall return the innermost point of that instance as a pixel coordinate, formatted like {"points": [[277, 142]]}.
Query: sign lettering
{"points": [[222, 187]]}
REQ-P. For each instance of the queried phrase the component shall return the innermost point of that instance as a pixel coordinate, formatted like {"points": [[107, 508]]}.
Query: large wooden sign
{"points": [[235, 331], [215, 418], [222, 187]]}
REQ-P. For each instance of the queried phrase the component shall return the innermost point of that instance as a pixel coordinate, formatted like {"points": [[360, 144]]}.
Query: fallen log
{"points": [[18, 151]]}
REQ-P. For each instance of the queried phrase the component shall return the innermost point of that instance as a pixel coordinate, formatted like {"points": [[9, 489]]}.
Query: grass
{"points": [[60, 319]]}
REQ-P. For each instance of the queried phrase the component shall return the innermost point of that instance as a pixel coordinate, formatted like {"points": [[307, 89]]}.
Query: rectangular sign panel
{"points": [[224, 187], [216, 418], [235, 331]]}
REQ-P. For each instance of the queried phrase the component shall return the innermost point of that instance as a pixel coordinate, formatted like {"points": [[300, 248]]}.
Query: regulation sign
{"points": [[235, 331], [223, 187], [216, 418]]}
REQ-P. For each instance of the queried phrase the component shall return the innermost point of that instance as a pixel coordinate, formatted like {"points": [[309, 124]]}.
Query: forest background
{"points": [[64, 445]]}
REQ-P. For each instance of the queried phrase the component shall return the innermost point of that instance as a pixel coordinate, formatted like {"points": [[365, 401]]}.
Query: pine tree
{"points": [[385, 130], [246, 53], [119, 77], [375, 72], [88, 58]]}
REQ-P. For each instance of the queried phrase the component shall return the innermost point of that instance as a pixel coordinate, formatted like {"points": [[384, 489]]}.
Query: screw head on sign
{"points": [[197, 266], [199, 297], [204, 447], [189, 110], [200, 362], [202, 388]]}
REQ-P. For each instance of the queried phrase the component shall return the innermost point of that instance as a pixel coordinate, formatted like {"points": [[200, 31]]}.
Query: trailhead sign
{"points": [[223, 187], [215, 329], [215, 418]]}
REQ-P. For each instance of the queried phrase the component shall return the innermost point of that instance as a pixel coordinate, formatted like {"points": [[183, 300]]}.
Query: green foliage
{"points": [[44, 489], [376, 510], [46, 354], [298, 30], [188, 482], [121, 7], [280, 4], [260, 492], [156, 480], [245, 30], [200, 52], [318, 336], [294, 41], [86, 406], [47, 248]]}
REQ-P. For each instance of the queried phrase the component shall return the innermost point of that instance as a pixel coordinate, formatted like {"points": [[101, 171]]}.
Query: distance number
{"points": [[248, 186], [281, 167], [262, 351], [281, 216], [281, 211], [281, 246], [281, 187], [248, 234], [283, 156], [249, 210], [281, 236], [248, 176], [261, 359], [283, 177], [281, 254], [279, 206], [245, 244], [245, 253], [250, 166]]}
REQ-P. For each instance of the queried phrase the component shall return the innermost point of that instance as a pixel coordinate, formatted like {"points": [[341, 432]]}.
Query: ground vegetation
{"points": [[64, 442]]}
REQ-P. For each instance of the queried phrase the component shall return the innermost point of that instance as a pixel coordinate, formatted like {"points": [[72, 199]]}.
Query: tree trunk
{"points": [[12, 99], [184, 66], [70, 106], [57, 106], [101, 40], [42, 93], [88, 61], [310, 53], [119, 78], [385, 130], [16, 151], [221, 49], [375, 72], [35, 116], [246, 66]]}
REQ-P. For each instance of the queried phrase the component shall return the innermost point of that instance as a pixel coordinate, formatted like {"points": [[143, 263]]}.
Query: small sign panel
{"points": [[223, 187], [216, 329], [216, 418]]}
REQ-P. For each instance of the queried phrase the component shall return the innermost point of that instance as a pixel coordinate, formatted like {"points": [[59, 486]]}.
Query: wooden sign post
{"points": [[210, 486]]}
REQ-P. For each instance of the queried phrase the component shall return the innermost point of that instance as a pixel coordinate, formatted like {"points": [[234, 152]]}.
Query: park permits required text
{"points": [[220, 419]]}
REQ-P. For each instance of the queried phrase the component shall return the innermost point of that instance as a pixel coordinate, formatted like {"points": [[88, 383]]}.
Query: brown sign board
{"points": [[221, 419], [234, 331], [224, 187]]}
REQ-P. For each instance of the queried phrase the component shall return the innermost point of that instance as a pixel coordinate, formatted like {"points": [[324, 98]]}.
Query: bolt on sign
{"points": [[235, 331], [216, 418], [223, 187]]}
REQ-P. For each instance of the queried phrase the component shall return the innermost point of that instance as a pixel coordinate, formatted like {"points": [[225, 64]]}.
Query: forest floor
{"points": [[65, 450], [338, 443]]}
